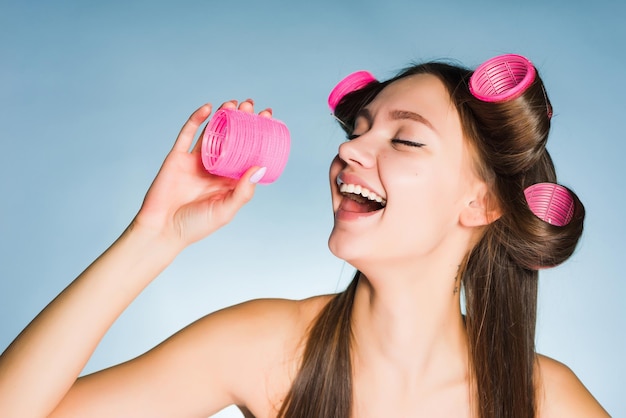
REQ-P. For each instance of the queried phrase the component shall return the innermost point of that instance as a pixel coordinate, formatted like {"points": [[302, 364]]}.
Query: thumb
{"points": [[244, 190]]}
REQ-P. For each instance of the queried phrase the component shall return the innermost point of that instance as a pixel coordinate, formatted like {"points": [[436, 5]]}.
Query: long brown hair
{"points": [[500, 278]]}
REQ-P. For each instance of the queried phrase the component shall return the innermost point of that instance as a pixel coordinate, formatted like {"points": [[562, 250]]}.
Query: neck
{"points": [[410, 324]]}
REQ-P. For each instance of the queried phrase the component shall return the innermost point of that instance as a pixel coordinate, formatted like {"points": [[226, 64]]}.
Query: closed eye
{"points": [[395, 141], [408, 143]]}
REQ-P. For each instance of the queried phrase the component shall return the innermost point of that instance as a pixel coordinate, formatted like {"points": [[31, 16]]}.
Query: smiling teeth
{"points": [[357, 189]]}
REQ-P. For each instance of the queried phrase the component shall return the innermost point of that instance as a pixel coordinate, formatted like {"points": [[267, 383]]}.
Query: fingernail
{"points": [[250, 101], [256, 177]]}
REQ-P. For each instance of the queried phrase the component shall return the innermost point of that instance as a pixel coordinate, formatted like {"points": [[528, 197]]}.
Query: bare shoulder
{"points": [[261, 342], [562, 394], [265, 321], [276, 325]]}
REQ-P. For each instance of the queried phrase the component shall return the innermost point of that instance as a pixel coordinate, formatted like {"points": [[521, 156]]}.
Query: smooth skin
{"points": [[410, 347]]}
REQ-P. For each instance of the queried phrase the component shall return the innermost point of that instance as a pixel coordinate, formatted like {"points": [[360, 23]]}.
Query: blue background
{"points": [[92, 95]]}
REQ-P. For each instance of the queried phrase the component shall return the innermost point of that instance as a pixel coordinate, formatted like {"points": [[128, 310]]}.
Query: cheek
{"points": [[448, 180], [429, 194], [336, 165]]}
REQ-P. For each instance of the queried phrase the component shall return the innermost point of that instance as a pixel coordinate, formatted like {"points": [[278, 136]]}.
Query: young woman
{"points": [[429, 198]]}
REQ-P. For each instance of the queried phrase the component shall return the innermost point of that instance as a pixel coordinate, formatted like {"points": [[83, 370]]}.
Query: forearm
{"points": [[41, 364]]}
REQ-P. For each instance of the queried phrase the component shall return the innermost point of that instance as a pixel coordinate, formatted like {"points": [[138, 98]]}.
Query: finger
{"points": [[189, 129], [198, 144], [231, 104], [266, 113], [247, 106], [244, 190]]}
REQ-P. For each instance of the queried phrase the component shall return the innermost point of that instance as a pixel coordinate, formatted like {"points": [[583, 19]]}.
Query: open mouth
{"points": [[359, 199]]}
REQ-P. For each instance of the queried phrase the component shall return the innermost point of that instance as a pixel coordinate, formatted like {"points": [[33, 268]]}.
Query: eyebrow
{"points": [[406, 114], [398, 115]]}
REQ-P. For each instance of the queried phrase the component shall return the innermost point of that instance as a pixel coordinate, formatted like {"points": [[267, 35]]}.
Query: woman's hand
{"points": [[185, 202]]}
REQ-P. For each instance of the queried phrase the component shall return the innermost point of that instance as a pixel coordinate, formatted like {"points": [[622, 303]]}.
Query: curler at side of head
{"points": [[551, 203], [502, 78], [561, 217], [234, 141], [350, 83]]}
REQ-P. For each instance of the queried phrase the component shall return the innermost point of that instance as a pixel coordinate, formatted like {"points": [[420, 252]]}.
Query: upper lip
{"points": [[348, 178]]}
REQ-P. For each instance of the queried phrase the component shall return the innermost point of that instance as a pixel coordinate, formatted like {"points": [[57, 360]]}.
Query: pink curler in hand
{"points": [[352, 82], [551, 203], [502, 78], [234, 141]]}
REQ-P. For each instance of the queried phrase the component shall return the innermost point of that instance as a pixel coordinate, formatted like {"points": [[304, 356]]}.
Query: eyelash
{"points": [[408, 143], [396, 141]]}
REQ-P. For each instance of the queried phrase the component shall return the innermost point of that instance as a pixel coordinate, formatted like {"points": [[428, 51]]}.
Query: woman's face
{"points": [[400, 183]]}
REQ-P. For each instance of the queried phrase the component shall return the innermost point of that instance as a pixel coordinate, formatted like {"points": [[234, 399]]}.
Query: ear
{"points": [[481, 208]]}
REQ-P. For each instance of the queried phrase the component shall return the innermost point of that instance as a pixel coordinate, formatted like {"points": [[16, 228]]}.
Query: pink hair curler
{"points": [[502, 78], [234, 141], [551, 203], [352, 82]]}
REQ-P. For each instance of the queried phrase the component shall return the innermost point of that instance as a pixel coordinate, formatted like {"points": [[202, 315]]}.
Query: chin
{"points": [[346, 248]]}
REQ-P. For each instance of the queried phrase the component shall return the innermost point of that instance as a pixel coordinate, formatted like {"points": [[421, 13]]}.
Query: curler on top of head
{"points": [[234, 141], [551, 203], [352, 82], [502, 78]]}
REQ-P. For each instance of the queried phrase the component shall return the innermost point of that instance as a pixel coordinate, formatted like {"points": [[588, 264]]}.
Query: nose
{"points": [[357, 151]]}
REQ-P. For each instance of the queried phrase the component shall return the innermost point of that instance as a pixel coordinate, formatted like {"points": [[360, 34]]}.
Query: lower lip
{"points": [[344, 215]]}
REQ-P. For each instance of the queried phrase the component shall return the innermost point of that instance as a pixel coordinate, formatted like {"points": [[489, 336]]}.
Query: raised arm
{"points": [[183, 205]]}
